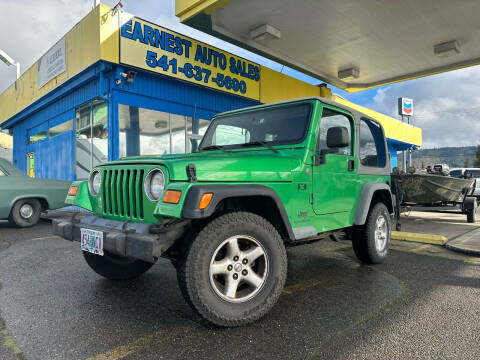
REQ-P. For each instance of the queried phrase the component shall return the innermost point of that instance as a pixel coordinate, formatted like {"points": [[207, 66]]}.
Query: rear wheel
{"points": [[471, 207], [25, 213], [372, 240], [472, 215], [234, 270], [116, 267]]}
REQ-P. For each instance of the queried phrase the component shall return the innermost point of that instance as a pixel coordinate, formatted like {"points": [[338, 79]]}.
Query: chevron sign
{"points": [[405, 107]]}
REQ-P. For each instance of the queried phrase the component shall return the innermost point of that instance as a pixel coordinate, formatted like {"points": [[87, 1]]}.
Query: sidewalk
{"points": [[468, 243], [458, 234]]}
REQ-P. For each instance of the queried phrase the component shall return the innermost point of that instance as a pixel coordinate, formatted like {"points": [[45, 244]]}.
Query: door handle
{"points": [[351, 165]]}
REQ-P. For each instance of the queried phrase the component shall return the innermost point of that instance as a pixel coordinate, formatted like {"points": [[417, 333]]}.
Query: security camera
{"points": [[131, 75]]}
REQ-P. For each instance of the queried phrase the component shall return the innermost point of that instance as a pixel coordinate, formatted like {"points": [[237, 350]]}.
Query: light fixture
{"points": [[9, 61], [447, 49], [265, 32], [349, 74]]}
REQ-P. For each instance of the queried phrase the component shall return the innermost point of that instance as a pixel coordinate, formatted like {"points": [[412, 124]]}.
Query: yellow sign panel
{"points": [[151, 47]]}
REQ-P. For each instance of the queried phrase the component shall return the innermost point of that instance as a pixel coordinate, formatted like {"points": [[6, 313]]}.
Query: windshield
{"points": [[280, 125]]}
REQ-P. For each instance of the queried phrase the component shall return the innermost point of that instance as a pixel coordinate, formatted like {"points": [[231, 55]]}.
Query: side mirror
{"points": [[337, 137]]}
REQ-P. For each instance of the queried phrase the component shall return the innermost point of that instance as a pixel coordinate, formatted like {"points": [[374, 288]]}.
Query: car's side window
{"points": [[372, 147], [330, 119]]}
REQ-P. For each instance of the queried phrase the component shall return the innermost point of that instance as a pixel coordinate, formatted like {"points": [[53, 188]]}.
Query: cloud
{"points": [[30, 28], [34, 27], [445, 106]]}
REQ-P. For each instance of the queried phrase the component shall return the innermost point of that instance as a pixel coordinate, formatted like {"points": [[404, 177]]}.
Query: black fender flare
{"points": [[220, 192], [365, 200]]}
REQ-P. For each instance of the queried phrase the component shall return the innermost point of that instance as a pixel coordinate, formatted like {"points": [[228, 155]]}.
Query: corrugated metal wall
{"points": [[54, 158]]}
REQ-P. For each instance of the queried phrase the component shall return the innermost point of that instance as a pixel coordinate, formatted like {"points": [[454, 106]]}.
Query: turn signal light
{"points": [[205, 200], [172, 196], [73, 191]]}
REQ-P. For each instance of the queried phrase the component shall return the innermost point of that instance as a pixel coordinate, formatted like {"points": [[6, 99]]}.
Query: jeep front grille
{"points": [[123, 192]]}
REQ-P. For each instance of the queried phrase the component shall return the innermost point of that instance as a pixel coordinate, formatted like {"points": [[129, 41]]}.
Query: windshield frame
{"points": [[261, 108]]}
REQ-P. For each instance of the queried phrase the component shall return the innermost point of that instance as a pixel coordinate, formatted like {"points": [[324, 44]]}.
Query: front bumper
{"points": [[135, 240]]}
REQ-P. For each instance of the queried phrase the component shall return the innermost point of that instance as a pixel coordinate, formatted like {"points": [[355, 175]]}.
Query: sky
{"points": [[445, 105]]}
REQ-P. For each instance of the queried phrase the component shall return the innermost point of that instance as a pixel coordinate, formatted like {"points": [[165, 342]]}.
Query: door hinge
{"points": [[311, 198]]}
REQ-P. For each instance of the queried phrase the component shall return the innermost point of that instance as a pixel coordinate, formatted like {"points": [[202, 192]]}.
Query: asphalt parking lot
{"points": [[421, 303]]}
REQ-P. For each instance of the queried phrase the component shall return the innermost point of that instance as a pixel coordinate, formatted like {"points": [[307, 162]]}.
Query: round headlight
{"points": [[154, 184], [94, 183]]}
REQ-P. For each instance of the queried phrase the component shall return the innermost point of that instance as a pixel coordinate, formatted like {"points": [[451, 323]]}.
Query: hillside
{"points": [[452, 156]]}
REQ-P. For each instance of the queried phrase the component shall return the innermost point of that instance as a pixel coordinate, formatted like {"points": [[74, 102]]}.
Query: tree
{"points": [[477, 158], [467, 162]]}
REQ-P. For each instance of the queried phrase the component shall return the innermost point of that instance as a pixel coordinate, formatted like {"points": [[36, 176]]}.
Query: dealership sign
{"points": [[405, 107], [151, 47], [52, 63]]}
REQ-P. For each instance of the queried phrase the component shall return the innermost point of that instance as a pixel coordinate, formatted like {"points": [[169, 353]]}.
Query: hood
{"points": [[241, 166]]}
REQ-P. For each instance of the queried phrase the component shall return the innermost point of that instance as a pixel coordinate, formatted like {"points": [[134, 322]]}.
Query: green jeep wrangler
{"points": [[263, 178]]}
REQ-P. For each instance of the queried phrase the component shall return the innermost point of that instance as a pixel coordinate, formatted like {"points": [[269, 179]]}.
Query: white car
{"points": [[459, 172]]}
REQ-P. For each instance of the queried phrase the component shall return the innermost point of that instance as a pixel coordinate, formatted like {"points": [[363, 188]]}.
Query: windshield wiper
{"points": [[213, 147], [262, 143]]}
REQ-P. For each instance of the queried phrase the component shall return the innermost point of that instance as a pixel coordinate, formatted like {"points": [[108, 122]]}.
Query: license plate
{"points": [[91, 241]]}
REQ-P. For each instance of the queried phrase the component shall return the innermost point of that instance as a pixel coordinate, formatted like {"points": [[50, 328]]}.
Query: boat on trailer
{"points": [[421, 189]]}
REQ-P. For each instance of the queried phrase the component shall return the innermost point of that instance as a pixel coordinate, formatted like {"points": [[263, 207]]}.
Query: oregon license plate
{"points": [[91, 241]]}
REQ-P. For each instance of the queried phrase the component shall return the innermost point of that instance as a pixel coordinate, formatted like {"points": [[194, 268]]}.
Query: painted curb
{"points": [[418, 237]]}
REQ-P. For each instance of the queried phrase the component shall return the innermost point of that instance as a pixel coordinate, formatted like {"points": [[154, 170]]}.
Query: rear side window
{"points": [[372, 147]]}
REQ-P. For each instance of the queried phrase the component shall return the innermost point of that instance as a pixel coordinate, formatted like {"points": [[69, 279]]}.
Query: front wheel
{"points": [[116, 267], [25, 213], [372, 240], [234, 270]]}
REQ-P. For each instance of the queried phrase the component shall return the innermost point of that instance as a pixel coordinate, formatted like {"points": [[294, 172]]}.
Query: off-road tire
{"points": [[116, 267], [364, 239], [194, 266], [16, 218]]}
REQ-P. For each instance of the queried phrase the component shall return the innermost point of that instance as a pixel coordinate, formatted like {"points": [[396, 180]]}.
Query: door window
{"points": [[372, 148], [330, 119]]}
